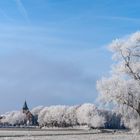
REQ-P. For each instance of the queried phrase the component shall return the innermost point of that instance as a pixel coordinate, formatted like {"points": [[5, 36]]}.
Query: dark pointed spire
{"points": [[25, 107]]}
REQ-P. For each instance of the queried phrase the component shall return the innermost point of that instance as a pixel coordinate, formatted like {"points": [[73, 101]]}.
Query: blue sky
{"points": [[53, 51]]}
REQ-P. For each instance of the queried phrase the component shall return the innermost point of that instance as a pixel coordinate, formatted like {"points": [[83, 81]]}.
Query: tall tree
{"points": [[122, 87]]}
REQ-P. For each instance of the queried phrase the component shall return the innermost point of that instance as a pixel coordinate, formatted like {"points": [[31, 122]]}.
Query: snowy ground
{"points": [[36, 134]]}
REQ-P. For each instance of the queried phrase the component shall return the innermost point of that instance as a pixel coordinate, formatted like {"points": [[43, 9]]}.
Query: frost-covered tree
{"points": [[65, 116], [122, 88], [13, 118], [52, 116], [35, 111], [41, 116], [88, 114], [55, 115], [70, 116]]}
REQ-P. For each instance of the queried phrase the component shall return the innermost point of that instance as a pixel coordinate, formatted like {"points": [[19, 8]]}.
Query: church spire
{"points": [[25, 107]]}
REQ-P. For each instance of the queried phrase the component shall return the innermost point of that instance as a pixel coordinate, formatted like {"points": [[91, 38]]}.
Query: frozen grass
{"points": [[77, 137], [65, 135]]}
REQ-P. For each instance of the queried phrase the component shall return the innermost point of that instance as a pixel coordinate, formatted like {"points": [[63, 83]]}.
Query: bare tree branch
{"points": [[127, 64]]}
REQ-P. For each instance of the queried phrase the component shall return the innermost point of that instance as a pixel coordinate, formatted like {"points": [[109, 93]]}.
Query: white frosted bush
{"points": [[14, 117], [88, 114], [70, 115], [36, 110]]}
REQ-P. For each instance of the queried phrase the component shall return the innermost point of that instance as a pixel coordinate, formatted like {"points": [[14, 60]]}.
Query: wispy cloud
{"points": [[22, 10], [8, 18], [119, 18]]}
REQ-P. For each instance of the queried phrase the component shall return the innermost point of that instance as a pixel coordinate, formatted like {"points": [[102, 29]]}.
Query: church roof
{"points": [[25, 107]]}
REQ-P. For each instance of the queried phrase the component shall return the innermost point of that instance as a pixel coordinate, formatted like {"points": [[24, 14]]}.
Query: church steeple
{"points": [[30, 119], [25, 107]]}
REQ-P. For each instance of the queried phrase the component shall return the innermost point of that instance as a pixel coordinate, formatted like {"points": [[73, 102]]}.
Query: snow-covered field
{"points": [[28, 134]]}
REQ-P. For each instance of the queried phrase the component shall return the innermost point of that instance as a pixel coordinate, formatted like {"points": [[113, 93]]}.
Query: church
{"points": [[30, 118]]}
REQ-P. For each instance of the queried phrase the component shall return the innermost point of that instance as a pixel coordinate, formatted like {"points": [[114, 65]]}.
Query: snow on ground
{"points": [[37, 134]]}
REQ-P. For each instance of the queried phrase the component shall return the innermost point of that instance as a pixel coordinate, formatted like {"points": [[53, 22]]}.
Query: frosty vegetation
{"points": [[13, 117], [66, 116], [122, 87]]}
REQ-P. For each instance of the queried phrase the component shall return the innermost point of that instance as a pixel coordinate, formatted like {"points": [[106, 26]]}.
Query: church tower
{"points": [[25, 108], [30, 118]]}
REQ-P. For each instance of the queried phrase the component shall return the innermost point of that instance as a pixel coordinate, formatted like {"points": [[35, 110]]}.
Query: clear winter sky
{"points": [[53, 51]]}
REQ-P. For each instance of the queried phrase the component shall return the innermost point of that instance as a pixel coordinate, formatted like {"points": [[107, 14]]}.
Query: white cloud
{"points": [[118, 18], [22, 10]]}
